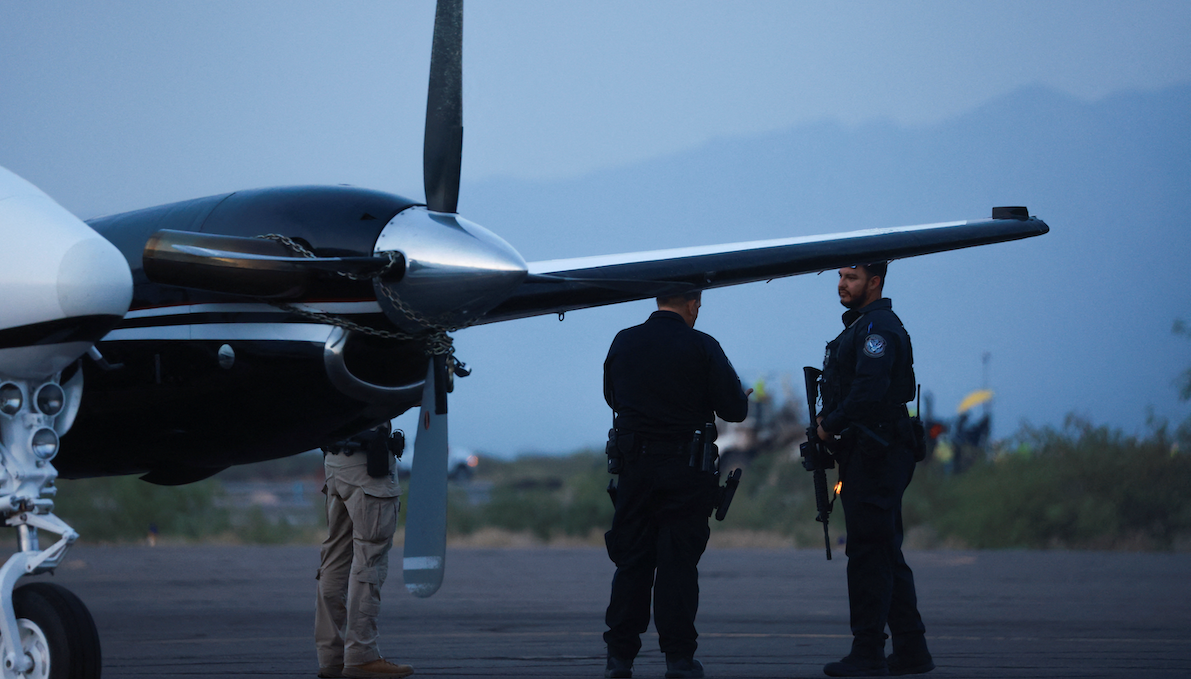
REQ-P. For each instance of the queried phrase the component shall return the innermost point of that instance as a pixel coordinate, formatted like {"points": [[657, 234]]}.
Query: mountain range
{"points": [[1074, 322]]}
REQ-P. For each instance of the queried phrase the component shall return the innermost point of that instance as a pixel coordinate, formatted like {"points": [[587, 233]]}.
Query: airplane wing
{"points": [[560, 285]]}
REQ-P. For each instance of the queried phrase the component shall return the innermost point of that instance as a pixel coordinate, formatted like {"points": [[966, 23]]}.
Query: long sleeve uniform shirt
{"points": [[665, 379], [868, 370]]}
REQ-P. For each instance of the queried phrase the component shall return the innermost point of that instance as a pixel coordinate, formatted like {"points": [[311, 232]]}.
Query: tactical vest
{"points": [[839, 365]]}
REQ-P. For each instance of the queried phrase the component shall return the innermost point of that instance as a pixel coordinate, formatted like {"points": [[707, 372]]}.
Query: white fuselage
{"points": [[59, 281]]}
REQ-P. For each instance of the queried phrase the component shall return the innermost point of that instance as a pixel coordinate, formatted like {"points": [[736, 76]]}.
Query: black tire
{"points": [[71, 640]]}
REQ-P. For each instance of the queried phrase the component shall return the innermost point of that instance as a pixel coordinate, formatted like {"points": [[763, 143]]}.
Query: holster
{"points": [[877, 437], [913, 433], [620, 447], [379, 458], [704, 454]]}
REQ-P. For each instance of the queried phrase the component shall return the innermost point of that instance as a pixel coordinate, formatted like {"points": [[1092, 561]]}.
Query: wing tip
{"points": [[1020, 213]]}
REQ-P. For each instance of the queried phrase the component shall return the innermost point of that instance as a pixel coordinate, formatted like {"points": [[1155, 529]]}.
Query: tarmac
{"points": [[247, 611]]}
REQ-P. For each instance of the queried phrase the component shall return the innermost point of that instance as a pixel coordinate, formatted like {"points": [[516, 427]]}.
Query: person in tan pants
{"points": [[361, 519]]}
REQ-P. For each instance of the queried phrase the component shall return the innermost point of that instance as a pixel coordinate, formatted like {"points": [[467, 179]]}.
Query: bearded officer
{"points": [[362, 503], [664, 380], [868, 377]]}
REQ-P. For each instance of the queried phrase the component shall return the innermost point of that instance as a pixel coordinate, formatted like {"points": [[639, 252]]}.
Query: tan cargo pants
{"points": [[361, 520]]}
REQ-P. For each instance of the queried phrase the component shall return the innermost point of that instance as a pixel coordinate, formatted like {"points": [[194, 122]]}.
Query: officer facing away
{"points": [[664, 381], [868, 377], [362, 503]]}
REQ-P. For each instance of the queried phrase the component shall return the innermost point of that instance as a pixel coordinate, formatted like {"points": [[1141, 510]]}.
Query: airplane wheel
{"points": [[57, 631]]}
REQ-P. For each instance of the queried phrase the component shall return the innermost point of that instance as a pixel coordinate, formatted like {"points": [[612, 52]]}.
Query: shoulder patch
{"points": [[874, 346]]}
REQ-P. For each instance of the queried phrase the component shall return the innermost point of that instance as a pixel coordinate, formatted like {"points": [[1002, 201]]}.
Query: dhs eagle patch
{"points": [[874, 346]]}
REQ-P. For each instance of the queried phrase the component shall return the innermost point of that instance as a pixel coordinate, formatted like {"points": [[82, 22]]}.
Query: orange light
{"points": [[472, 460], [839, 485]]}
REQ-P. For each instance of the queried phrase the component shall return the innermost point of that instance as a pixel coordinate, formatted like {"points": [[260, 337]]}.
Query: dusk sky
{"points": [[181, 99], [113, 106]]}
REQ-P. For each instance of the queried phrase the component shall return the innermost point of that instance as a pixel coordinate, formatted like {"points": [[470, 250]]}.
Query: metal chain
{"points": [[298, 248], [438, 342], [331, 319], [290, 243], [419, 318]]}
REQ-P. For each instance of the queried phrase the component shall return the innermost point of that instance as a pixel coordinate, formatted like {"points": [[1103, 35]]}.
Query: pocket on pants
{"points": [[623, 546], [610, 545], [369, 608], [366, 573], [374, 519], [381, 520]]}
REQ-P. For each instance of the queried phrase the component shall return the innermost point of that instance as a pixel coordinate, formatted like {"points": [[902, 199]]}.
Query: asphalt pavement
{"points": [[246, 611]]}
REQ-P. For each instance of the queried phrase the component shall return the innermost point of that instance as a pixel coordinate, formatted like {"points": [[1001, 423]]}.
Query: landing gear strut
{"points": [[45, 631]]}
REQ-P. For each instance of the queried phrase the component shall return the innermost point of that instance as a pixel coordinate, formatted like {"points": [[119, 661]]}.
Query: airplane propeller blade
{"points": [[426, 510], [250, 266], [443, 145]]}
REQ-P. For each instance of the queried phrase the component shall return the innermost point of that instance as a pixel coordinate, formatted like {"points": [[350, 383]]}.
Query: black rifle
{"points": [[815, 456]]}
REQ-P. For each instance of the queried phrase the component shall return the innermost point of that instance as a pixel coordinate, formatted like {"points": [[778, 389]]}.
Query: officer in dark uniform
{"points": [[868, 377], [664, 380]]}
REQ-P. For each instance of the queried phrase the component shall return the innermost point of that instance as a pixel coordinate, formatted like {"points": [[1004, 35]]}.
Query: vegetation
{"points": [[548, 497], [124, 508], [1079, 486]]}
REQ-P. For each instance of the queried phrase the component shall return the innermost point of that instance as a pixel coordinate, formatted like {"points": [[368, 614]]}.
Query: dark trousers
{"points": [[662, 506], [880, 584]]}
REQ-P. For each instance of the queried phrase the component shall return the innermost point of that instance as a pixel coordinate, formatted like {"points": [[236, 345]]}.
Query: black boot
{"points": [[867, 659], [683, 667], [910, 656], [618, 668]]}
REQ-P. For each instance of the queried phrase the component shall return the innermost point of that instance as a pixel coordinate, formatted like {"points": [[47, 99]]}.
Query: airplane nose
{"points": [[64, 285], [455, 270], [94, 279]]}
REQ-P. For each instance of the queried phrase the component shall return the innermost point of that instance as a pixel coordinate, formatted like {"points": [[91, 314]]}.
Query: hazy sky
{"points": [[293, 92], [113, 106]]}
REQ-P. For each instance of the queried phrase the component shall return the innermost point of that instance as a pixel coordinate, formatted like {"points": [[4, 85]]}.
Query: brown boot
{"points": [[378, 669]]}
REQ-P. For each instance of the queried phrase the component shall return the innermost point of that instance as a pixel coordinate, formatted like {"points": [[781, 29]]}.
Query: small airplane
{"points": [[259, 324]]}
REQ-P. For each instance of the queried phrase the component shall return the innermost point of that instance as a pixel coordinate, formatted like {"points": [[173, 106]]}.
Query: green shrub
{"points": [[122, 508], [255, 527], [548, 497], [1081, 486]]}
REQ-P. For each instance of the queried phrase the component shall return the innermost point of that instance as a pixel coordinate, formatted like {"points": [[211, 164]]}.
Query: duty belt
{"points": [[662, 446]]}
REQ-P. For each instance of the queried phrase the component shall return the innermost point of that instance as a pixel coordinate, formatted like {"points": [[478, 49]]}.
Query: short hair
{"points": [[678, 298], [876, 269]]}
